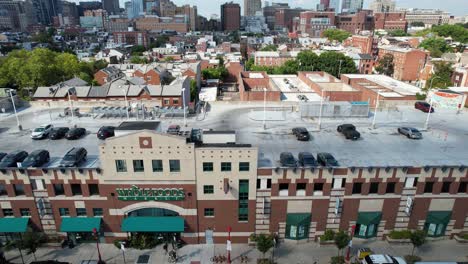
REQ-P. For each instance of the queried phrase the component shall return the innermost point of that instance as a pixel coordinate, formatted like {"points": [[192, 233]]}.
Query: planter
{"points": [[460, 239], [251, 242], [53, 244], [398, 241], [326, 242]]}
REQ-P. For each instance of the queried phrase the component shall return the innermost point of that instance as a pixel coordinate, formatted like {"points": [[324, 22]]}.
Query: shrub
{"points": [[403, 234], [420, 96], [464, 236], [328, 236], [118, 241], [253, 237], [337, 260], [412, 259]]}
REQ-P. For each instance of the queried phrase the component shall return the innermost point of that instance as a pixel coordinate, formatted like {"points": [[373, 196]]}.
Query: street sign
{"points": [[229, 246], [337, 206], [409, 206]]}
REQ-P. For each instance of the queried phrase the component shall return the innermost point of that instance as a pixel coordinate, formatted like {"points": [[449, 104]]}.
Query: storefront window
{"points": [[436, 223], [297, 226], [367, 224]]}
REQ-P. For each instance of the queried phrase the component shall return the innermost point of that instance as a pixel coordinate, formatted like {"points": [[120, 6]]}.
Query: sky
{"points": [[208, 7]]}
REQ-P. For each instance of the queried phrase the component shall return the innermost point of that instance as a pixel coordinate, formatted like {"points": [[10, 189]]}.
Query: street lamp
{"points": [[183, 101], [339, 70], [264, 108], [71, 105], [376, 108], [96, 234], [320, 112], [126, 102], [10, 91], [426, 125]]}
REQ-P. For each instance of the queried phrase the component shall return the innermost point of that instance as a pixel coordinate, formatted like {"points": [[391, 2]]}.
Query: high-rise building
{"points": [[111, 6], [16, 15], [325, 3], [45, 10], [230, 16], [136, 9], [269, 12], [384, 6], [428, 16], [251, 7], [336, 5], [352, 6]]}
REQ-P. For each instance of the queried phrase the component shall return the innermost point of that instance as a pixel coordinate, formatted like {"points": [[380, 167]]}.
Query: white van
{"points": [[382, 259]]}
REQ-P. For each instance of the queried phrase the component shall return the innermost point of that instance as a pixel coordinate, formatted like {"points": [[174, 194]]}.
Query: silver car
{"points": [[410, 132]]}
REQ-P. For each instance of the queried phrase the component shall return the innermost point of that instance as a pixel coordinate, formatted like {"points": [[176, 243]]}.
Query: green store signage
{"points": [[136, 193]]}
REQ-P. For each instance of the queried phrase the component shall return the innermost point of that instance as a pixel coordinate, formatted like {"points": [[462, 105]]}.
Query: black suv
{"points": [[11, 160], [2, 154], [301, 133], [36, 158], [306, 159], [287, 159], [75, 133], [74, 157], [326, 159], [106, 132], [58, 132], [349, 131]]}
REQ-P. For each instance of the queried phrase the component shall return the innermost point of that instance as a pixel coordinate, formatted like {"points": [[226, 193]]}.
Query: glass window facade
{"points": [[297, 225], [207, 166], [157, 165], [208, 189], [120, 165], [244, 166], [174, 165], [225, 166], [138, 166], [243, 200]]}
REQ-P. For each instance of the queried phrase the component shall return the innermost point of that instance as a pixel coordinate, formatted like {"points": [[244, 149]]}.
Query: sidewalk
{"points": [[290, 253]]}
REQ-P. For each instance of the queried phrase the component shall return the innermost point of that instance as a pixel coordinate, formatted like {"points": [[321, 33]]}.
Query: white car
{"points": [[382, 259], [41, 132]]}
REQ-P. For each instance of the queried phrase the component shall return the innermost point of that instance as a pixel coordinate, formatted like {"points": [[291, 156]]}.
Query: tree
{"points": [[385, 65], [341, 240], [336, 34], [436, 46], [442, 77], [331, 61], [264, 243], [308, 60], [456, 32], [193, 90], [398, 33], [249, 64], [31, 241], [269, 48], [417, 24], [168, 59], [418, 238], [138, 50], [139, 60]]}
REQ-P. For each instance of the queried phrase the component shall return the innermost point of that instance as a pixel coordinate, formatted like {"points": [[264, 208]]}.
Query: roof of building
{"points": [[139, 125], [98, 91], [387, 82], [75, 82], [364, 56], [45, 92], [137, 80]]}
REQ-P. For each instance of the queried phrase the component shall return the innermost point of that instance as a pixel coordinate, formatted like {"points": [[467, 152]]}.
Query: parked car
{"points": [[306, 159], [301, 133], [423, 106], [58, 132], [41, 132], [349, 131], [74, 157], [287, 159], [106, 132], [326, 159], [49, 262], [173, 129], [11, 160], [75, 133], [382, 259], [410, 132], [36, 158], [2, 154]]}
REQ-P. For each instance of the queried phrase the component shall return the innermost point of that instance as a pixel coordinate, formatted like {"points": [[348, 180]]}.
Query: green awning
{"points": [[367, 218], [13, 224], [153, 224], [438, 217], [297, 218], [80, 224]]}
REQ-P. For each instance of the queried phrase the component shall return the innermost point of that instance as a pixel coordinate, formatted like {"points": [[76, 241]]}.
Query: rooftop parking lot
{"points": [[445, 143]]}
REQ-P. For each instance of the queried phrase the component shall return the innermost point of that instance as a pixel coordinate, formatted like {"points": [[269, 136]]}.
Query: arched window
{"points": [[152, 212]]}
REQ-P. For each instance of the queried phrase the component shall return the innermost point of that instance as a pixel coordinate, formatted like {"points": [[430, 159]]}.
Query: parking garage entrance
{"points": [[153, 226]]}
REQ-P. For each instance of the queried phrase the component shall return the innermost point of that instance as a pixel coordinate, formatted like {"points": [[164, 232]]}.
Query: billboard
{"points": [[446, 99]]}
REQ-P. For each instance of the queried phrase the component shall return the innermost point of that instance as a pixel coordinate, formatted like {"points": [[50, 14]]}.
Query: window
{"points": [[357, 188], [243, 200], [446, 187], [207, 166], [76, 189], [19, 189], [338, 183], [174, 165], [37, 185], [3, 190], [166, 101], [93, 189], [209, 212], [80, 211], [157, 165], [138, 166], [25, 212], [411, 182], [263, 184], [175, 101], [225, 166], [428, 187], [7, 212], [97, 211], [120, 165], [208, 189], [462, 187], [283, 189], [300, 189], [244, 166], [390, 187], [58, 189], [64, 212], [318, 187], [374, 187]]}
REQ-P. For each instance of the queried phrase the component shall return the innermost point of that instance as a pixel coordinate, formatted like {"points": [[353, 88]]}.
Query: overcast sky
{"points": [[208, 7]]}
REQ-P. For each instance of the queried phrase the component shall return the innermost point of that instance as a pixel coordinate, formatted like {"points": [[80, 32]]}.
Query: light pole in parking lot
{"points": [[320, 112], [183, 101], [375, 111], [126, 102], [71, 105], [10, 91], [264, 108], [426, 125]]}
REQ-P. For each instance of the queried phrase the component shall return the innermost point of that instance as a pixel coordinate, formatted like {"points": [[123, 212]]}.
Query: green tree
{"points": [[442, 78], [264, 243], [249, 64], [336, 34], [417, 24], [341, 241], [385, 65], [398, 33], [138, 60], [168, 59], [308, 60], [436, 46], [193, 90], [269, 48], [418, 238], [330, 62], [456, 32], [138, 50]]}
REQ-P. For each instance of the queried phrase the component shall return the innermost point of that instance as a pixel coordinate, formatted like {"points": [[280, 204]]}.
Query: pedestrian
{"points": [[165, 248]]}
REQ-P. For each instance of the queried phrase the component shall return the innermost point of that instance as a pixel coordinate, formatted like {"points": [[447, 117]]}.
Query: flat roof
{"points": [[138, 125], [388, 83]]}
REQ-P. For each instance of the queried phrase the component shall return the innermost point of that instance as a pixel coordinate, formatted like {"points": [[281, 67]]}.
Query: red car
{"points": [[423, 106]]}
